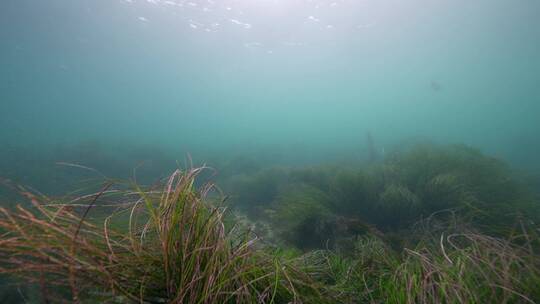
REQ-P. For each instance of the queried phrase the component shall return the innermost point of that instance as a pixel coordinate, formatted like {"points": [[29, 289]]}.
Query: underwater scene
{"points": [[270, 151]]}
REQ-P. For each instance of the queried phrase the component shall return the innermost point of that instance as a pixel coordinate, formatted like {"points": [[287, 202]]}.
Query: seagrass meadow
{"points": [[269, 151]]}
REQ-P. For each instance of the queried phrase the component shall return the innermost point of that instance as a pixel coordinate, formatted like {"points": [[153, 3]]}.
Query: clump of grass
{"points": [[258, 189], [465, 268], [395, 193], [456, 267], [302, 217], [174, 248]]}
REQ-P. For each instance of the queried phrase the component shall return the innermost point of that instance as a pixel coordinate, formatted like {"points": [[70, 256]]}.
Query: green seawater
{"points": [[303, 79], [257, 89]]}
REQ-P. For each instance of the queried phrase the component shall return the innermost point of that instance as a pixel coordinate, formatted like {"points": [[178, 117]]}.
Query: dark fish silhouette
{"points": [[435, 86]]}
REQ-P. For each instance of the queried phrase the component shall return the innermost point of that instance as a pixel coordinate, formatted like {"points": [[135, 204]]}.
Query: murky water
{"points": [[305, 79], [263, 89]]}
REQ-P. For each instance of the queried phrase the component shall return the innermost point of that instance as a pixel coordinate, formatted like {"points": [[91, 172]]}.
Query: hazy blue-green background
{"points": [[302, 79]]}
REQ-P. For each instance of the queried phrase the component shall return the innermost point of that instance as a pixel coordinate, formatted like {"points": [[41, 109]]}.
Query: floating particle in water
{"points": [[238, 22], [171, 3], [365, 26], [253, 45]]}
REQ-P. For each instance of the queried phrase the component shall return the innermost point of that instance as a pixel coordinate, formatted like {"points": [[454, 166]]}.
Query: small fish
{"points": [[435, 86]]}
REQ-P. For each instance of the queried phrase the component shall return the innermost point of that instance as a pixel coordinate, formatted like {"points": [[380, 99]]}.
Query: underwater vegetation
{"points": [[174, 248], [427, 224], [388, 196], [459, 266]]}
